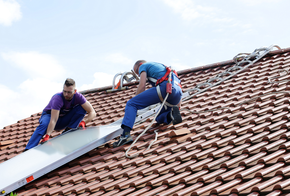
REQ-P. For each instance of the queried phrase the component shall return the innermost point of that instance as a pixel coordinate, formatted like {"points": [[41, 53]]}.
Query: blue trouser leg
{"points": [[174, 98], [40, 131], [147, 98], [72, 119]]}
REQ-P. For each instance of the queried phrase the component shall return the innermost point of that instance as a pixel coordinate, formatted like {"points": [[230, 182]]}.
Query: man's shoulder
{"points": [[57, 96], [77, 94], [80, 97], [148, 65], [151, 63]]}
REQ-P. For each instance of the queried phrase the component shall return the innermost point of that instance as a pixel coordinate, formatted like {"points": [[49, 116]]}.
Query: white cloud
{"points": [[36, 64], [30, 97], [10, 97], [9, 12], [117, 62], [40, 88], [35, 94], [223, 20], [257, 2], [100, 80], [191, 10], [118, 58], [179, 66], [188, 10]]}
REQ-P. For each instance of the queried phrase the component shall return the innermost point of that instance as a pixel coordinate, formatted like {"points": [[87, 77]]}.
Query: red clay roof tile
{"points": [[206, 188], [242, 149]]}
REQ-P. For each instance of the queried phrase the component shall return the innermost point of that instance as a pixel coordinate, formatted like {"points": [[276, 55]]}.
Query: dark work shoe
{"points": [[123, 140], [175, 115], [67, 130]]}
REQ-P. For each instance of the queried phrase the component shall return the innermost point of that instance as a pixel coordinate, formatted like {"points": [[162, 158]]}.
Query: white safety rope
{"points": [[148, 127], [241, 59]]}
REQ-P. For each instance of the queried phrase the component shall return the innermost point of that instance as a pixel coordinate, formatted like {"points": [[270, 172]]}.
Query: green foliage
{"points": [[13, 194]]}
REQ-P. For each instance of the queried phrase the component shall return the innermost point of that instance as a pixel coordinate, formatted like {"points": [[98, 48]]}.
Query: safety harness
{"points": [[167, 77]]}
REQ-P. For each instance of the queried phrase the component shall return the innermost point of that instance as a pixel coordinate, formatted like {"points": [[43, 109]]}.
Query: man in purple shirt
{"points": [[66, 110]]}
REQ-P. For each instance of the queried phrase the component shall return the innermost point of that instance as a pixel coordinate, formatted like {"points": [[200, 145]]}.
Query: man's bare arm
{"points": [[90, 110], [142, 83], [52, 122]]}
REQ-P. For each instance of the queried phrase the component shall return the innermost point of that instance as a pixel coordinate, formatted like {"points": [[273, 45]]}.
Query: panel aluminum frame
{"points": [[54, 153], [42, 159]]}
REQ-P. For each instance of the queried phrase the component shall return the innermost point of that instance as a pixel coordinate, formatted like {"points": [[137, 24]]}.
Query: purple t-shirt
{"points": [[58, 102]]}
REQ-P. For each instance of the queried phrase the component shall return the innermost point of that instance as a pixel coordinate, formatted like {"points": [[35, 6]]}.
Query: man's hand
{"points": [[52, 122], [90, 110], [142, 83], [46, 137], [82, 124]]}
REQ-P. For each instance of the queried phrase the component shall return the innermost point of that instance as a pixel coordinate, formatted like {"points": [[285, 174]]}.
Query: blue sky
{"points": [[44, 42]]}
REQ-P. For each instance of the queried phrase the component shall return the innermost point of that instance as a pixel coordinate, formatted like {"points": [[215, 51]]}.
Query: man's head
{"points": [[137, 65], [69, 89]]}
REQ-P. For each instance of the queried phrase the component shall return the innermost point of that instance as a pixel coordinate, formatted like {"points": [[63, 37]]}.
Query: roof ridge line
{"points": [[213, 65], [274, 52]]}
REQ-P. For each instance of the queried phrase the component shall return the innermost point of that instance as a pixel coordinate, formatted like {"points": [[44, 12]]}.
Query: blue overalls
{"points": [[150, 97], [67, 118]]}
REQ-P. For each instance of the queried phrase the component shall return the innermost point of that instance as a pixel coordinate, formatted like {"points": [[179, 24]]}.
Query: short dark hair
{"points": [[139, 62], [69, 82]]}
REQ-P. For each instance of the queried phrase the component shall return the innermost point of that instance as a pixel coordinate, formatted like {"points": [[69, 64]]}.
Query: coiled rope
{"points": [[240, 59]]}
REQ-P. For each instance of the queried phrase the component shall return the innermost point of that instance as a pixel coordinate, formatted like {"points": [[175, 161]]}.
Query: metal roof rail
{"points": [[44, 158], [242, 60], [124, 77]]}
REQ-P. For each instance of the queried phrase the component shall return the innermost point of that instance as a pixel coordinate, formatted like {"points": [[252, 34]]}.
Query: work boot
{"points": [[68, 129], [123, 140], [175, 115]]}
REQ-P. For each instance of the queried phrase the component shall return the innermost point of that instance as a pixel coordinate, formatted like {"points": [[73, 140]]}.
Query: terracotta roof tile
{"points": [[243, 149], [180, 167], [267, 170], [126, 191], [207, 188]]}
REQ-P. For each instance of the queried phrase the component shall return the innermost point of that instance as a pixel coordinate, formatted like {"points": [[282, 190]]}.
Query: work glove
{"points": [[46, 137], [82, 124]]}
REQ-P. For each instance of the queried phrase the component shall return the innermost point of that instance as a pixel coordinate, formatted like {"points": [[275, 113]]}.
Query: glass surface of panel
{"points": [[55, 150]]}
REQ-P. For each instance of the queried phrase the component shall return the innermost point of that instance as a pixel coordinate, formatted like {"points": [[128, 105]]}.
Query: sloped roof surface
{"points": [[241, 150]]}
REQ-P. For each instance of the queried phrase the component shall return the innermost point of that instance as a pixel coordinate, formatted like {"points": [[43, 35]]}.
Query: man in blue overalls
{"points": [[65, 110], [152, 71]]}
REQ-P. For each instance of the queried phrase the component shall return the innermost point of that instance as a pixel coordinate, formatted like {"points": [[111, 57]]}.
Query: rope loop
{"points": [[148, 127]]}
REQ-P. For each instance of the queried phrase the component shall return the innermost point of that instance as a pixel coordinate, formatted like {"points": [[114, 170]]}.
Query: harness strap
{"points": [[152, 80], [168, 70], [162, 79], [161, 98], [165, 77]]}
